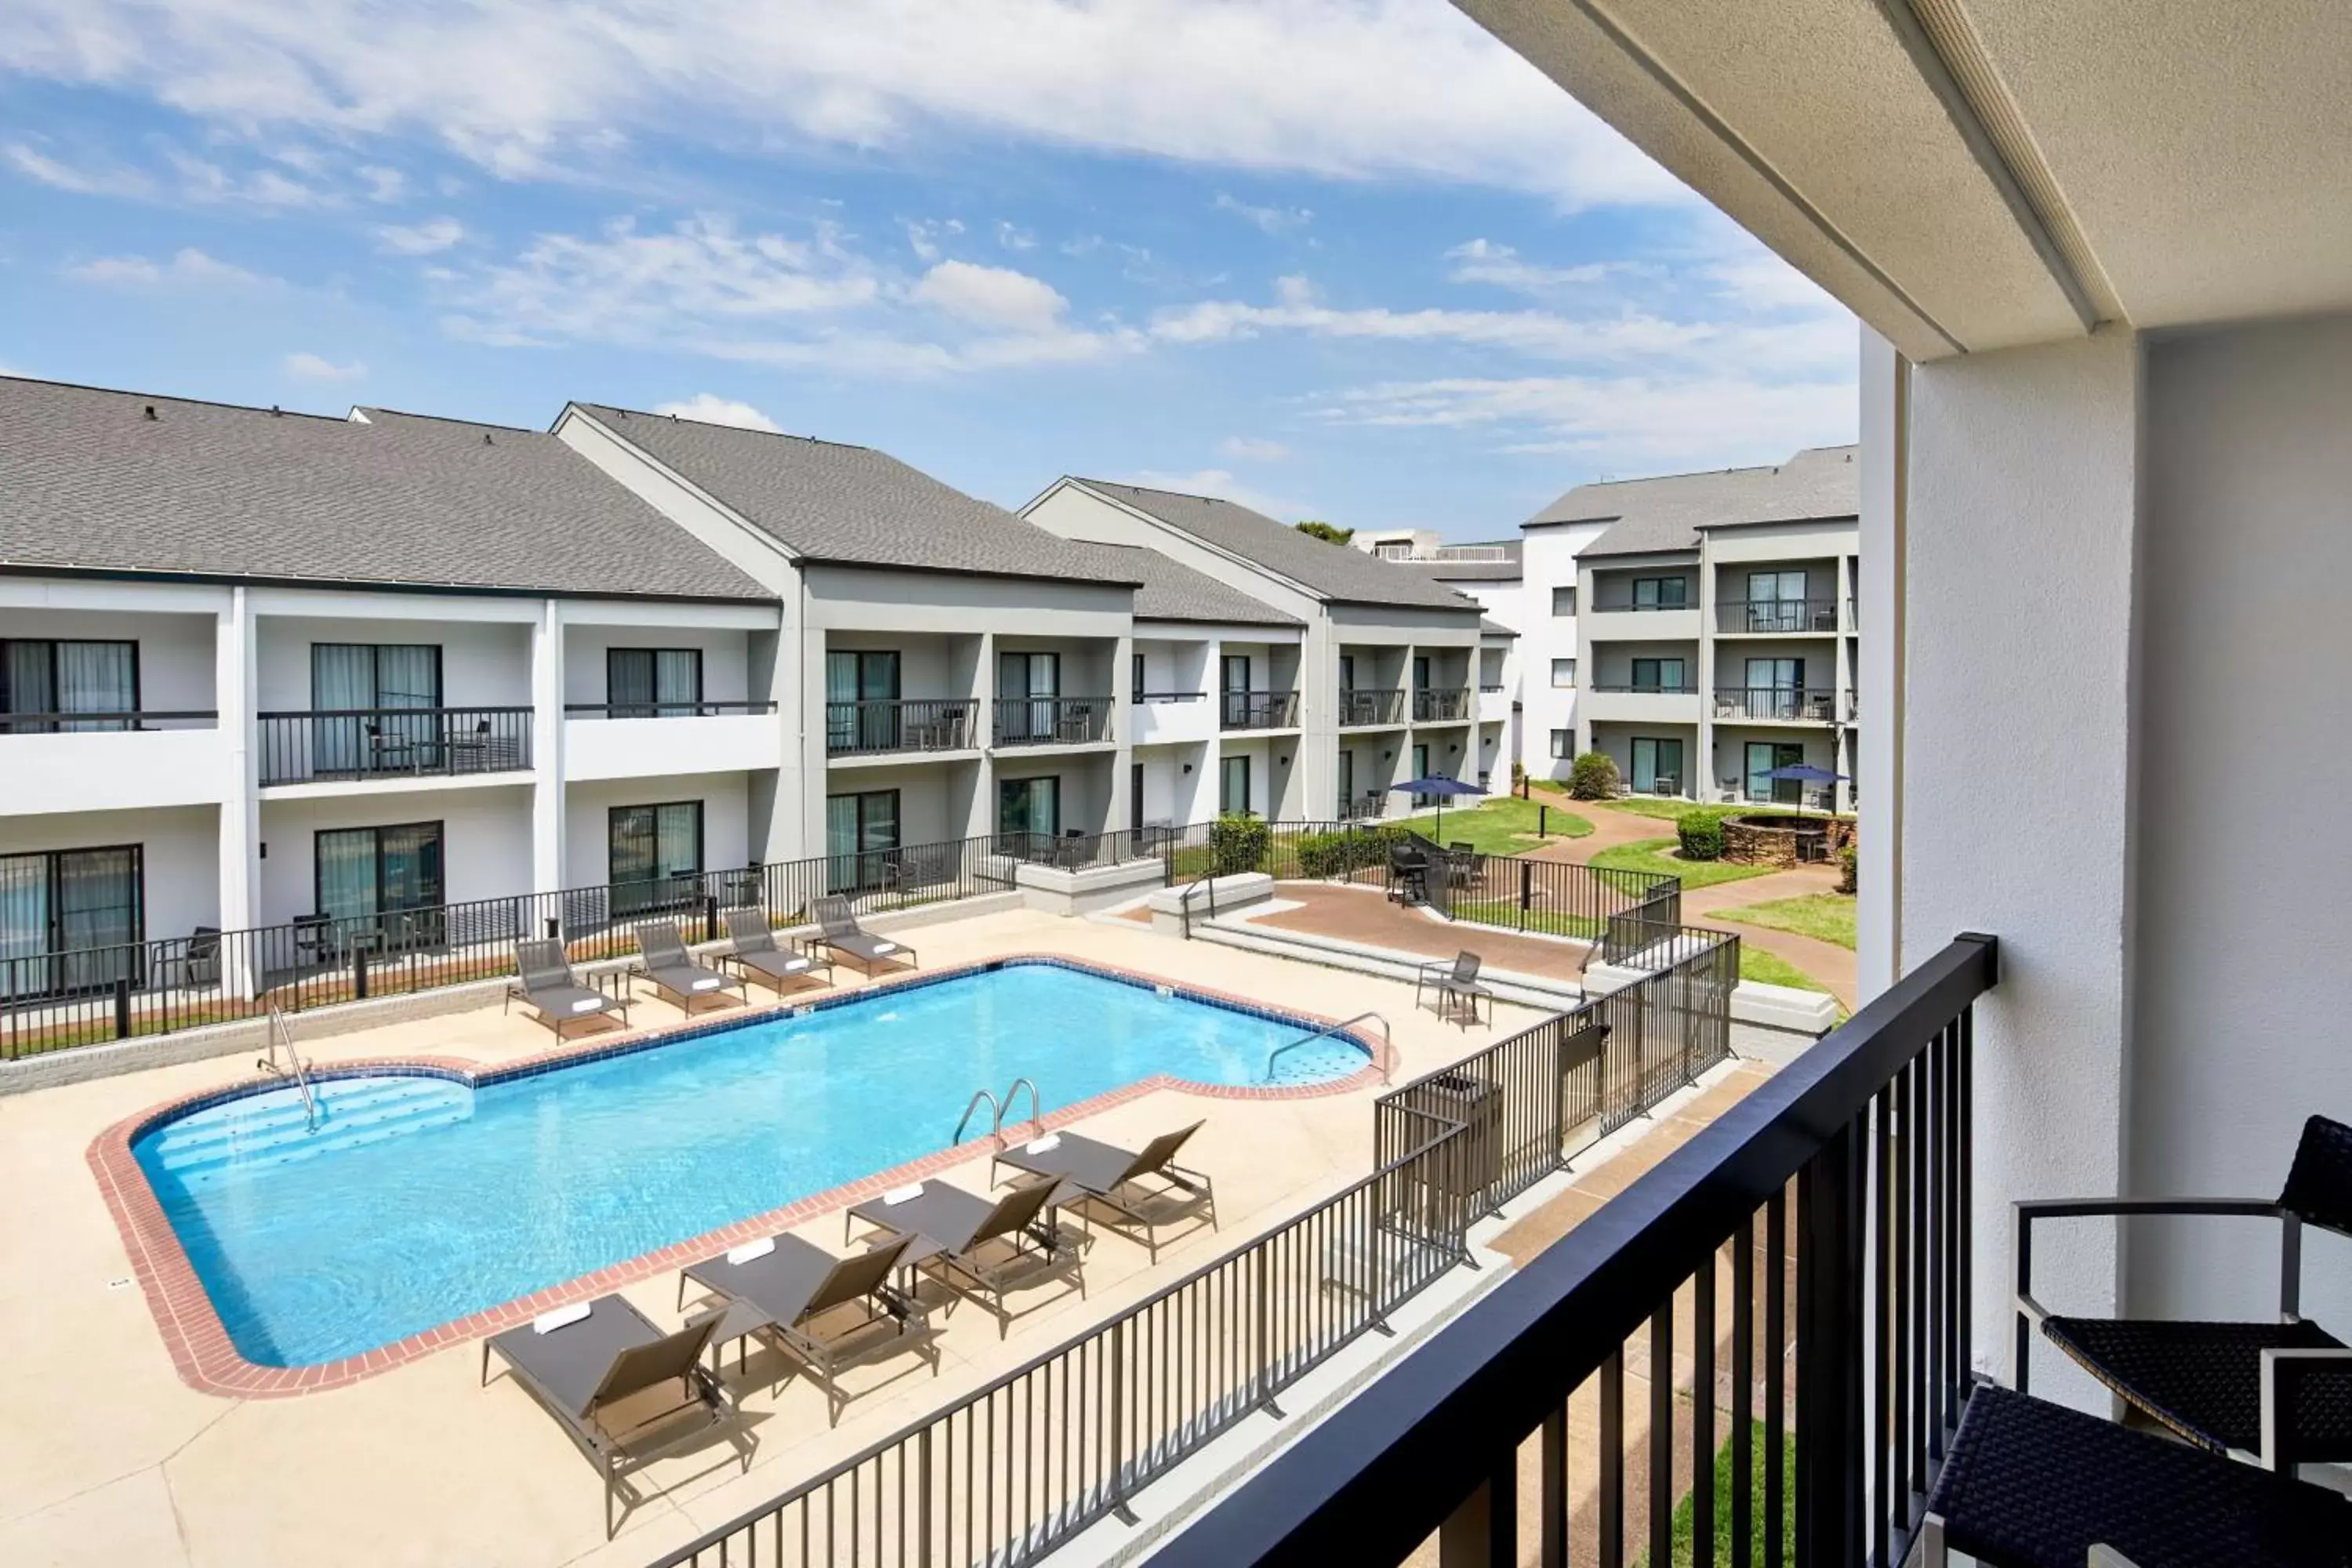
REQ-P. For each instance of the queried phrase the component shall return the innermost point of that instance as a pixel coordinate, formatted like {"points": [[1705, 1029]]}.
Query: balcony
{"points": [[1778, 704], [356, 745], [1370, 707], [882, 727], [1770, 617], [635, 740], [1053, 720], [1623, 620], [1648, 703], [1494, 704], [1257, 709], [1168, 718], [1441, 707], [84, 762]]}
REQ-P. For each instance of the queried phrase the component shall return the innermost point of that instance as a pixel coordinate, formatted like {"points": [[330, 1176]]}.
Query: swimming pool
{"points": [[420, 1198]]}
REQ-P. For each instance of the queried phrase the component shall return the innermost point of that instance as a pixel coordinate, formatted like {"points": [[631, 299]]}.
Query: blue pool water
{"points": [[418, 1200]]}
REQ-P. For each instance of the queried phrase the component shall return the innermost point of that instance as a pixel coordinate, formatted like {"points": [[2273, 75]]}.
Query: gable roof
{"points": [[90, 481], [1169, 591], [1335, 574], [1665, 513], [844, 505]]}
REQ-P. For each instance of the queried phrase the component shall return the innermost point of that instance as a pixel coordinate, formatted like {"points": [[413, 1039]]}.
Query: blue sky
{"points": [[1353, 260]]}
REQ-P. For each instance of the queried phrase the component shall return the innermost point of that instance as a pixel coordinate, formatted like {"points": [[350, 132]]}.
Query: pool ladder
{"points": [[997, 1107], [300, 1070]]}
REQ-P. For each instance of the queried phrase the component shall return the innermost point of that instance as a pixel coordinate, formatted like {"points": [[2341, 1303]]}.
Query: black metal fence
{"points": [[1257, 709], [1052, 720], [911, 724], [381, 742], [1007, 1474], [1815, 1243]]}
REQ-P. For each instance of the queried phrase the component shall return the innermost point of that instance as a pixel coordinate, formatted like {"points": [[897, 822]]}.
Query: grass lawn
{"points": [[1505, 825], [1772, 969], [1666, 808], [1825, 916], [1759, 1446], [1505, 912], [1659, 855]]}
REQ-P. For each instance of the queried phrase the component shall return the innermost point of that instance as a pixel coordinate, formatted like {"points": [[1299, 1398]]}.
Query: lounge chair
{"points": [[675, 975], [979, 1249], [1133, 1193], [828, 1313], [547, 984], [2209, 1383], [623, 1391], [2034, 1485], [1456, 981], [838, 932], [752, 949]]}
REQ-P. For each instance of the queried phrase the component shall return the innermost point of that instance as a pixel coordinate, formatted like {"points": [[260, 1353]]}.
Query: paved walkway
{"points": [[1364, 914]]}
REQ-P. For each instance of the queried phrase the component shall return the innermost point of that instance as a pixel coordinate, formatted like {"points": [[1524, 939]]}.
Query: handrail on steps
{"points": [[1387, 1046], [297, 1070], [1184, 900], [998, 1106]]}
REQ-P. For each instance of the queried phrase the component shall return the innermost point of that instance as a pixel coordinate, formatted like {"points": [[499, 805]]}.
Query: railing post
{"points": [[923, 1499], [1828, 1356], [122, 1007], [1262, 1335], [1117, 1403], [359, 972]]}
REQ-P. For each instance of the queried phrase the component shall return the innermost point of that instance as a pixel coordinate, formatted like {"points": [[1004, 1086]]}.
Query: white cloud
{"points": [[923, 235], [709, 408], [1270, 220], [425, 239], [204, 180], [315, 367], [189, 268], [1484, 261], [1221, 483], [1252, 449], [1365, 88], [382, 184], [1013, 236], [35, 165], [992, 296]]}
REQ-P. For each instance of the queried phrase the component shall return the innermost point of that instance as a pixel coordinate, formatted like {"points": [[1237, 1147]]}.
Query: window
{"points": [[42, 675], [1135, 669], [1661, 593], [655, 855], [1563, 744], [1420, 771], [359, 873], [1026, 810], [1233, 785], [1563, 601], [860, 832], [652, 682], [1233, 681], [356, 691], [69, 919], [1657, 765], [1346, 779], [1563, 672], [1027, 686], [1347, 672], [1763, 757], [1775, 601], [1659, 675], [861, 700]]}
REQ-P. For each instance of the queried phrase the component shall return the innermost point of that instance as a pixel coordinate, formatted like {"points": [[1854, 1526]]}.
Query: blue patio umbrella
{"points": [[1805, 773], [1440, 788]]}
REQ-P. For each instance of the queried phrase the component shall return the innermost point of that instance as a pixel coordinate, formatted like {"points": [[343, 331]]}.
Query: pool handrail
{"points": [[298, 1071], [997, 1107], [996, 1114], [1381, 1059]]}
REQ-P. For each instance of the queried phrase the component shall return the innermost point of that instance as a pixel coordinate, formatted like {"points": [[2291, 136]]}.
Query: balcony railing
{"points": [[1052, 720], [1371, 705], [662, 710], [87, 723], [1259, 710], [1438, 707], [1829, 1216], [1156, 697], [1745, 616], [1794, 704], [909, 724], [392, 742], [1650, 689], [1603, 603]]}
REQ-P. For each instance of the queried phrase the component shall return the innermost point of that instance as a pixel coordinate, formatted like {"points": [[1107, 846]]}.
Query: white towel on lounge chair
{"points": [[548, 1323], [588, 1005], [750, 1250], [903, 1195], [886, 947]]}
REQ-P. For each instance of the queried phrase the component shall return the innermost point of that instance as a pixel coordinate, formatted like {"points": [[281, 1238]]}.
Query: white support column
{"points": [[982, 820], [547, 749], [1119, 814], [237, 856], [1879, 682]]}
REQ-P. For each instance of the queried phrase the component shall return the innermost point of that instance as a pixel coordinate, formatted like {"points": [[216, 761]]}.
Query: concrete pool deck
{"points": [[111, 1455]]}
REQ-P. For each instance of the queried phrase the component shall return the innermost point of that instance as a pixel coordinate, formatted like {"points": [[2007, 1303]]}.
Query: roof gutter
{"points": [[366, 585]]}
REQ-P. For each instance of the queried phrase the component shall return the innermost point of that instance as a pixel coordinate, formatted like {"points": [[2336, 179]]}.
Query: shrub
{"points": [[1337, 853], [1593, 776], [1846, 868], [1701, 832], [1237, 842]]}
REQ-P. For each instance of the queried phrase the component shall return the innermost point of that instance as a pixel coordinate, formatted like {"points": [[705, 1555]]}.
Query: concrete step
{"points": [[272, 1129], [1547, 993]]}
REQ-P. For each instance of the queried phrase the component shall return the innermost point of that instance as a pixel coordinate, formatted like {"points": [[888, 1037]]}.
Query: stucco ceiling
{"points": [[1970, 175]]}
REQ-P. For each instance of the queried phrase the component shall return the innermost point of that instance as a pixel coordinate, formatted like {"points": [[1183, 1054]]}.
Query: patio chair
{"points": [[980, 1248], [2211, 1382], [1455, 983], [198, 963], [827, 1313], [838, 932], [1408, 875], [546, 983], [676, 977], [1464, 864], [2034, 1485], [752, 949], [625, 1392], [1135, 1193]]}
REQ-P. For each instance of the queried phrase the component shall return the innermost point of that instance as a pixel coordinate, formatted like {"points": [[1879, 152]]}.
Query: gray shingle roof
{"points": [[1494, 628], [1171, 591], [852, 505], [88, 481], [1654, 515], [1337, 574]]}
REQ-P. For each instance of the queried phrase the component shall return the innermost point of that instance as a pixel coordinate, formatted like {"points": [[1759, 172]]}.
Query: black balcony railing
{"points": [[908, 724], [1828, 1216], [1652, 689], [387, 743], [1791, 704], [1257, 709], [1052, 720], [662, 710], [1757, 616], [1371, 705], [84, 723], [1440, 707], [1155, 697]]}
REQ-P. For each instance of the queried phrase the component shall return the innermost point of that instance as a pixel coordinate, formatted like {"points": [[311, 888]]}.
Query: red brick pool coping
{"points": [[208, 1362]]}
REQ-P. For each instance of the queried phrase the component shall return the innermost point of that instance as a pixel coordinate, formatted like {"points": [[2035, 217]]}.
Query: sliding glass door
{"points": [[652, 682], [1657, 765], [1233, 786], [1763, 758], [861, 700], [1027, 810], [861, 832], [372, 874], [70, 919], [654, 855], [1776, 688], [1027, 684], [52, 683], [350, 684]]}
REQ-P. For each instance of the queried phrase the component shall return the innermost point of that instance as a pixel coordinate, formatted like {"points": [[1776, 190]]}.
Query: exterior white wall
{"points": [[486, 842], [587, 820], [177, 857], [1547, 560], [2023, 539], [2239, 1032]]}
